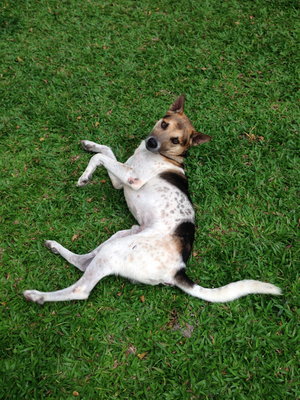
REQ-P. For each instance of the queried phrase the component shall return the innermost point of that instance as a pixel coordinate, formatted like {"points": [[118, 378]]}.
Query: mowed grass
{"points": [[106, 71]]}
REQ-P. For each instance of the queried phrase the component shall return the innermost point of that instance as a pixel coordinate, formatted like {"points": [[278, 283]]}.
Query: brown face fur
{"points": [[175, 132]]}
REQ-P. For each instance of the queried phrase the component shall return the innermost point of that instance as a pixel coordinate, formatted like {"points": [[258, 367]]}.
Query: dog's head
{"points": [[174, 134]]}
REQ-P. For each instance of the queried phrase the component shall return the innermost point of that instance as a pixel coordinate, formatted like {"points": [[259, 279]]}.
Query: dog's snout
{"points": [[152, 143]]}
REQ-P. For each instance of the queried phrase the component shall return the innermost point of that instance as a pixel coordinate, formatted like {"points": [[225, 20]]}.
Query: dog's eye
{"points": [[164, 125], [175, 140]]}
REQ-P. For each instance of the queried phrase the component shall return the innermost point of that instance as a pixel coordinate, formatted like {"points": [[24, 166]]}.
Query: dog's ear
{"points": [[199, 138], [178, 105]]}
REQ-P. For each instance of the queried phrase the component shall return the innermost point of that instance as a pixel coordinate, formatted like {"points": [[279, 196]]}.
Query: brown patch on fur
{"points": [[178, 244], [78, 289], [180, 125]]}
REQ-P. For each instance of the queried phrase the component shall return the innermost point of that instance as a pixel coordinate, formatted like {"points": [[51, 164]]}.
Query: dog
{"points": [[156, 190]]}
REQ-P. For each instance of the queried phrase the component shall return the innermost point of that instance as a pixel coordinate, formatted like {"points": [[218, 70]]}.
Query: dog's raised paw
{"points": [[34, 295], [87, 145], [52, 245]]}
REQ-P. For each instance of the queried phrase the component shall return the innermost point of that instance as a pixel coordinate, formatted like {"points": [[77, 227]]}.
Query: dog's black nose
{"points": [[151, 143]]}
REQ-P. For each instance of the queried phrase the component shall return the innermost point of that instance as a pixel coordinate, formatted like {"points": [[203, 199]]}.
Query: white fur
{"points": [[147, 253]]}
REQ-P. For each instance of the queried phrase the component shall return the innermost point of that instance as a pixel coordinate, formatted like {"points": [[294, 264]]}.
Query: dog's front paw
{"points": [[88, 145], [52, 245], [34, 295], [96, 148]]}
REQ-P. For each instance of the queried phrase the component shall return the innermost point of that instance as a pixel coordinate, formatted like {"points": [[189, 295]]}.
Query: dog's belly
{"points": [[143, 257]]}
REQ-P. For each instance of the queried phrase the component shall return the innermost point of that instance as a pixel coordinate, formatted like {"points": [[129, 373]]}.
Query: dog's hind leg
{"points": [[82, 261], [78, 291], [79, 261]]}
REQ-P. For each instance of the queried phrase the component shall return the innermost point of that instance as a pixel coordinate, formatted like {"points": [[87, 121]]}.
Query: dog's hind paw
{"points": [[52, 245], [34, 295], [82, 181]]}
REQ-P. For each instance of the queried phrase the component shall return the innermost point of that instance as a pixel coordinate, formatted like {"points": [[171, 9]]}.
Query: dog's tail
{"points": [[225, 293]]}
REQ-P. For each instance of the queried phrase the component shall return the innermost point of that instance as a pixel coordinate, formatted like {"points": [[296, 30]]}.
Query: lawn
{"points": [[106, 71]]}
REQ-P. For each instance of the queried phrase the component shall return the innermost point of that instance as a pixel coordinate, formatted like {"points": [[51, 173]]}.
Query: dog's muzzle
{"points": [[152, 144]]}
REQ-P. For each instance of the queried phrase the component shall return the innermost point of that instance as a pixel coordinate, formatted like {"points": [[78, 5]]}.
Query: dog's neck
{"points": [[176, 160]]}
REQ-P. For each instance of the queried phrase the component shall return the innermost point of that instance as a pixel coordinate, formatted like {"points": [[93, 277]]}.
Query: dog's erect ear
{"points": [[178, 105], [199, 138]]}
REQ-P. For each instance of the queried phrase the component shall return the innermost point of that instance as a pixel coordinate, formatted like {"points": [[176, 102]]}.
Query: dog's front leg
{"points": [[124, 173], [107, 151]]}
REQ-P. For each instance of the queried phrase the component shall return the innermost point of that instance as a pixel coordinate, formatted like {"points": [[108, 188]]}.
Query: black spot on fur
{"points": [[185, 232], [182, 279], [177, 179]]}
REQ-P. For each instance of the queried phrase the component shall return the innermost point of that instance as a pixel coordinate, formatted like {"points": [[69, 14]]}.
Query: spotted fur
{"points": [[177, 179]]}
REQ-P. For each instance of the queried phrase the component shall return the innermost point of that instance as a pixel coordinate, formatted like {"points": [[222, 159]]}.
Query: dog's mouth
{"points": [[152, 144]]}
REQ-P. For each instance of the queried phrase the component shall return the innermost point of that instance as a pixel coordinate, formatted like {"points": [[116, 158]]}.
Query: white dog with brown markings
{"points": [[156, 190]]}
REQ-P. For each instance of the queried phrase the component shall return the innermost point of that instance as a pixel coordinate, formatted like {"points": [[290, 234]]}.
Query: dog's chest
{"points": [[157, 201]]}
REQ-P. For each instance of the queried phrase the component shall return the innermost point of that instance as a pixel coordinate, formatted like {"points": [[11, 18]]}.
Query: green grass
{"points": [[106, 71]]}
